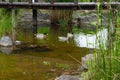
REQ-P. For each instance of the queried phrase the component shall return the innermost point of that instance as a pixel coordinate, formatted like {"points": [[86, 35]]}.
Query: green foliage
{"points": [[118, 19], [85, 30], [5, 23], [63, 23], [106, 62]]}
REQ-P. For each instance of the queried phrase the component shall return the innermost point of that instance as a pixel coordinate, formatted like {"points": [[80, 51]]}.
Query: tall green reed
{"points": [[106, 62], [5, 23]]}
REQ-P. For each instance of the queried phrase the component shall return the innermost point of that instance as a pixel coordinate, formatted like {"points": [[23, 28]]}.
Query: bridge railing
{"points": [[32, 1], [53, 1]]}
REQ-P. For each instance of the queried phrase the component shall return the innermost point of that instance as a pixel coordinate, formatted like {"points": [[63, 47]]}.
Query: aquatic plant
{"points": [[7, 21], [62, 17], [106, 62]]}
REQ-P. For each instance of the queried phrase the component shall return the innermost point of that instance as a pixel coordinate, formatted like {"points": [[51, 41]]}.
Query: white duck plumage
{"points": [[70, 35], [18, 42], [63, 38], [41, 36]]}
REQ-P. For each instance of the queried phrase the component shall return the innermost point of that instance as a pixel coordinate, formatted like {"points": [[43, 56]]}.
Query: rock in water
{"points": [[68, 77], [6, 41], [6, 50], [85, 59]]}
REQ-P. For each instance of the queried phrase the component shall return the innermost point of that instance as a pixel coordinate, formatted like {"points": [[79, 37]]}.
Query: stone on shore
{"points": [[6, 41], [85, 59]]}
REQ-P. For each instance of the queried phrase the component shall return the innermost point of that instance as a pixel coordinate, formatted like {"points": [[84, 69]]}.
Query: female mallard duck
{"points": [[41, 36], [70, 35], [18, 42], [63, 38]]}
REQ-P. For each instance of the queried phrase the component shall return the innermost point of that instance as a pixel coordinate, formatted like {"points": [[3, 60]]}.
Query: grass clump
{"points": [[5, 23], [105, 66], [106, 62]]}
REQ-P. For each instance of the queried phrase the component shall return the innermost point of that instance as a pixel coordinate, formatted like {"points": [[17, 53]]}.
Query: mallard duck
{"points": [[70, 35], [17, 42], [63, 38], [41, 36]]}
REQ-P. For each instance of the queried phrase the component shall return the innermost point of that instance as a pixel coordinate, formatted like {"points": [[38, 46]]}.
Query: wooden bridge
{"points": [[57, 5], [52, 5]]}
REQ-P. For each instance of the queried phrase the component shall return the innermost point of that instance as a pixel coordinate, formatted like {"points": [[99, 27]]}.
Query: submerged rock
{"points": [[6, 41], [68, 77], [6, 50]]}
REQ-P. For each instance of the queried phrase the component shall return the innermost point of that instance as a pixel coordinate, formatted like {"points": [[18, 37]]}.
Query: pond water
{"points": [[51, 57], [92, 40]]}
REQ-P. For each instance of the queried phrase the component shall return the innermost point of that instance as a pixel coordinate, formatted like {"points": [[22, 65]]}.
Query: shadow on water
{"points": [[46, 58], [51, 46]]}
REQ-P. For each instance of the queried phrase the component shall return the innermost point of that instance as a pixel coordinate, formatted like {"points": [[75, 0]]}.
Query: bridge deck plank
{"points": [[57, 5]]}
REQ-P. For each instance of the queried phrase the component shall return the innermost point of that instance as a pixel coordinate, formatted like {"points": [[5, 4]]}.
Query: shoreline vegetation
{"points": [[5, 22], [105, 64]]}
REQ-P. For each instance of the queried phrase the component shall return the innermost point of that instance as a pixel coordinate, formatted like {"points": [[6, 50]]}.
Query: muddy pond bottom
{"points": [[40, 64]]}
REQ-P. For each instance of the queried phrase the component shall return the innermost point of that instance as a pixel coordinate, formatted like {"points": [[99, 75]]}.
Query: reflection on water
{"points": [[91, 40], [51, 55]]}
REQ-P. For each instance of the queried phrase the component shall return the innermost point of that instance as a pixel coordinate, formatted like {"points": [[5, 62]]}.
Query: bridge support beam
{"points": [[14, 27], [34, 11]]}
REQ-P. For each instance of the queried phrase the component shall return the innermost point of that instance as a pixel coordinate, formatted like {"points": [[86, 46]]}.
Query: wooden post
{"points": [[14, 27], [34, 11]]}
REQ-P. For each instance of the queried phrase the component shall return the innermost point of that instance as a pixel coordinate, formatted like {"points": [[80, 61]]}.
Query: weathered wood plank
{"points": [[57, 5]]}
